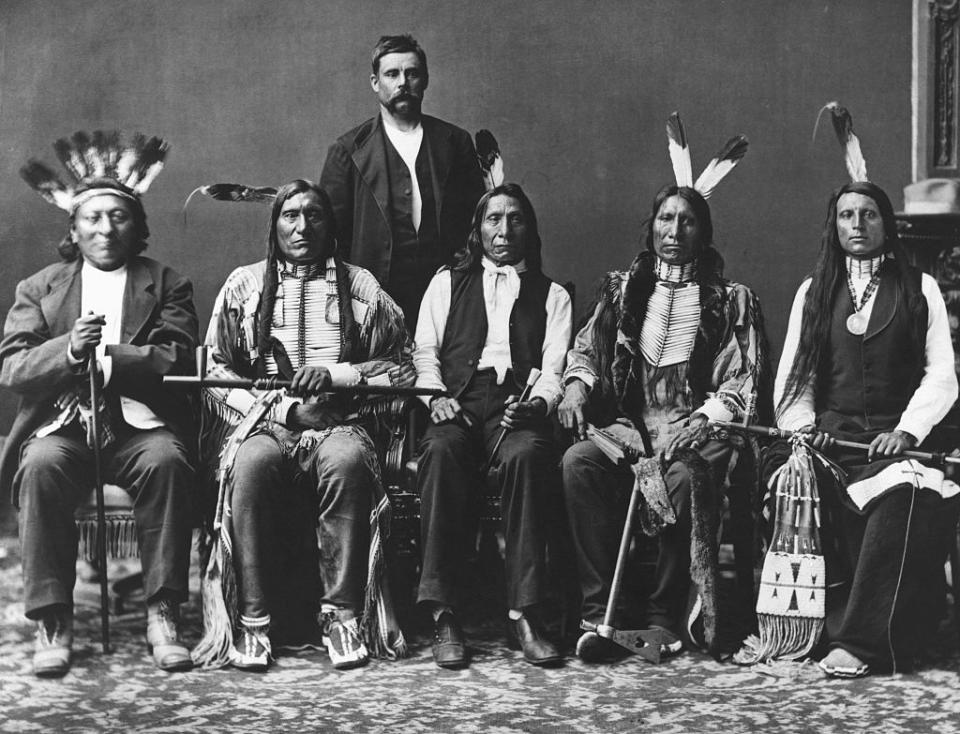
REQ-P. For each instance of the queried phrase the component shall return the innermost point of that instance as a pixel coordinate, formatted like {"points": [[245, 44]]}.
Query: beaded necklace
{"points": [[857, 322]]}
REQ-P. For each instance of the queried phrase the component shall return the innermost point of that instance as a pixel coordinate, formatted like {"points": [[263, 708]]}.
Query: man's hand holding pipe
{"points": [[519, 414]]}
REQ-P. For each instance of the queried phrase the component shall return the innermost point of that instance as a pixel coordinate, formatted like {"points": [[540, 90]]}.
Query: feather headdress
{"points": [[491, 162], [101, 154], [721, 164], [843, 127]]}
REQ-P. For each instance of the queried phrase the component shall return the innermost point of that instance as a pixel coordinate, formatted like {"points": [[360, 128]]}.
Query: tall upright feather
{"points": [[490, 159], [843, 127], [721, 164], [679, 151]]}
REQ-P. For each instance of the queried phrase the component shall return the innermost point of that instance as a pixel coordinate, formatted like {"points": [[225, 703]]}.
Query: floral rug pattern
{"points": [[498, 693]]}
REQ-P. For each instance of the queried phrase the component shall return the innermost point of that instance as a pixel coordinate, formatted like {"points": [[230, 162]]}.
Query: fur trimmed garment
{"points": [[725, 370], [374, 345]]}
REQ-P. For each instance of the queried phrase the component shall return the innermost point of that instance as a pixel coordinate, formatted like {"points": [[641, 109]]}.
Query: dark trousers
{"points": [[597, 493], [448, 477], [56, 473], [890, 609], [339, 470]]}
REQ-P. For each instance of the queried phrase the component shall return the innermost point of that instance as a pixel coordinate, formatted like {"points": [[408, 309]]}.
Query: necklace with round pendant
{"points": [[857, 324]]}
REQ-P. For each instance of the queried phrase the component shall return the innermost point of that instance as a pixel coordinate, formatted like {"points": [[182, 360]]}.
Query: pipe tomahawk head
{"points": [[533, 377]]}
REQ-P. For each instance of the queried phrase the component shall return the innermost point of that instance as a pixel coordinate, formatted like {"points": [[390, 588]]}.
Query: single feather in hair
{"points": [[679, 151], [843, 127], [235, 192], [46, 183], [491, 162], [721, 164]]}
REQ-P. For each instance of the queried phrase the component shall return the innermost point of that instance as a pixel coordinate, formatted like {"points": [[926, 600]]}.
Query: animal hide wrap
{"points": [[791, 604], [704, 551], [656, 511]]}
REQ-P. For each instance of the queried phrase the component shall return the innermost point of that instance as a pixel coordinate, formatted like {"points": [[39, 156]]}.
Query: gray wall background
{"points": [[576, 92]]}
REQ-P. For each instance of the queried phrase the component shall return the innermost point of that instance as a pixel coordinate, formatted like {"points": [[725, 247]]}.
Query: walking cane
{"points": [[101, 511], [525, 395]]}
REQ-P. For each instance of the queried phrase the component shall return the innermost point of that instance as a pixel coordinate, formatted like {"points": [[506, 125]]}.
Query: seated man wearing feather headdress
{"points": [[304, 315], [132, 318], [671, 345], [868, 358]]}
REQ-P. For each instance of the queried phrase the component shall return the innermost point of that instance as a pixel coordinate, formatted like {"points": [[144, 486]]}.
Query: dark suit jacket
{"points": [[355, 177], [159, 335]]}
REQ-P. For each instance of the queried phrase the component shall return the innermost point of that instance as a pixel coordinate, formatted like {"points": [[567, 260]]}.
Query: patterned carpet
{"points": [[498, 693]]}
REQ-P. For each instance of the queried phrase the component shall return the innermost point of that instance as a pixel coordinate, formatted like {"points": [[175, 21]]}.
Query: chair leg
{"points": [[955, 579]]}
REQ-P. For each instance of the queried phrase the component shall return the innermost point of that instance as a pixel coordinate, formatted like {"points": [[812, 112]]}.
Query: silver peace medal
{"points": [[857, 324]]}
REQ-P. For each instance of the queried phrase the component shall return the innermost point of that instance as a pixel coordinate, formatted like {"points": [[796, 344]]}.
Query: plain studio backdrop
{"points": [[576, 92]]}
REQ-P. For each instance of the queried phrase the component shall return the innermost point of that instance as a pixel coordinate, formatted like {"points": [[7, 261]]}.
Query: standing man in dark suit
{"points": [[133, 319], [403, 184]]}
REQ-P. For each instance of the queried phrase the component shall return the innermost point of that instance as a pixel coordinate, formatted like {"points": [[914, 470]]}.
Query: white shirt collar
{"points": [[391, 126], [490, 266]]}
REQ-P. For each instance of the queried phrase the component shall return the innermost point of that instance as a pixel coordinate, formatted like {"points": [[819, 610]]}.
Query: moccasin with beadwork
{"points": [[341, 635]]}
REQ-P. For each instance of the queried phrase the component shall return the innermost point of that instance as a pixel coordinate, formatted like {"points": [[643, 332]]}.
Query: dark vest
{"points": [[868, 380], [407, 241], [466, 329]]}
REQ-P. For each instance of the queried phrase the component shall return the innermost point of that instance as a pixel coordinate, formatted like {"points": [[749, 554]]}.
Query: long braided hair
{"points": [[270, 277], [829, 277], [641, 279]]}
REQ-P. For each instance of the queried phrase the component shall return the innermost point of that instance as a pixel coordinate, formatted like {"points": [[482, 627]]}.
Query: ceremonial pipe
{"points": [[274, 383], [525, 395], [782, 433], [101, 509]]}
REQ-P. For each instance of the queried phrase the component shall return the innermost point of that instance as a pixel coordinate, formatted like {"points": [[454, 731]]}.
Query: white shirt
{"points": [[500, 290], [932, 399], [101, 292], [407, 143]]}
